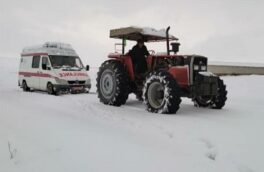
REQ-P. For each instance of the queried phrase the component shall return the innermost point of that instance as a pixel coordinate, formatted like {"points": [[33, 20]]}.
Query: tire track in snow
{"points": [[132, 118], [211, 152], [100, 111]]}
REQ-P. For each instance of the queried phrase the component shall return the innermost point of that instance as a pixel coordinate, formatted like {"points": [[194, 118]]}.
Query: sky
{"points": [[222, 30]]}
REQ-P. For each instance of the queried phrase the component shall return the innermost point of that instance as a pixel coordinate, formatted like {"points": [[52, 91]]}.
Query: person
{"points": [[138, 55]]}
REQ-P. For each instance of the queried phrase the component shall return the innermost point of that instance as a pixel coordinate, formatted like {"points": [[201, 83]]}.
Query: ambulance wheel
{"points": [[50, 89], [24, 86]]}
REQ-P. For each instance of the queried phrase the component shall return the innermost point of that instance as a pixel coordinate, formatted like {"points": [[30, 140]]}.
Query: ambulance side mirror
{"points": [[87, 67]]}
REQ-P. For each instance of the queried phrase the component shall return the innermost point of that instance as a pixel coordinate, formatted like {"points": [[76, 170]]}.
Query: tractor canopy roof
{"points": [[135, 33]]}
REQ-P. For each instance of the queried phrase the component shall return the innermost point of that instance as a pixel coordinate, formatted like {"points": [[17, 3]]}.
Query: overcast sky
{"points": [[223, 30]]}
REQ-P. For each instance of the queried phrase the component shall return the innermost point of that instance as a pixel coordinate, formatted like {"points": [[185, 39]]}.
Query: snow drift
{"points": [[40, 132]]}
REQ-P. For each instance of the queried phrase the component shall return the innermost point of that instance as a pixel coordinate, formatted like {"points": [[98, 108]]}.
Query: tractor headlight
{"points": [[203, 67], [196, 67]]}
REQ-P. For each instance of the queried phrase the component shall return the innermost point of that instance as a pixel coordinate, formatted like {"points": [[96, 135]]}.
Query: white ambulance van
{"points": [[53, 67]]}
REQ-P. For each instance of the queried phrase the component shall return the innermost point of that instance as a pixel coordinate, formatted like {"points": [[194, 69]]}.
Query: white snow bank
{"points": [[78, 133], [236, 64]]}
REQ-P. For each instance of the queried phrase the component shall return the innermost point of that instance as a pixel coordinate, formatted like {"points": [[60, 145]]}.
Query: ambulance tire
{"points": [[50, 89], [24, 86]]}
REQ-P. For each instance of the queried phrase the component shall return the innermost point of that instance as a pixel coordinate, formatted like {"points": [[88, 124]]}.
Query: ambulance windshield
{"points": [[67, 62]]}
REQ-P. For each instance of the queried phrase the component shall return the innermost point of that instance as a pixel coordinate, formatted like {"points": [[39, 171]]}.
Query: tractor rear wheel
{"points": [[161, 93], [112, 83]]}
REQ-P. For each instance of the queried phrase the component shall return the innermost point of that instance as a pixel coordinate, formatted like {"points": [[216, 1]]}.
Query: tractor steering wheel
{"points": [[151, 52]]}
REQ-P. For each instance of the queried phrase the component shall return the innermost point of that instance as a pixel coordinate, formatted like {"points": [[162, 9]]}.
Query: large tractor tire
{"points": [[139, 95], [219, 100], [215, 102], [161, 93], [202, 101], [112, 83]]}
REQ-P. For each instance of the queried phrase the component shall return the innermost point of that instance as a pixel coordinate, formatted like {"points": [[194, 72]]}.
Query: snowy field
{"points": [[76, 133]]}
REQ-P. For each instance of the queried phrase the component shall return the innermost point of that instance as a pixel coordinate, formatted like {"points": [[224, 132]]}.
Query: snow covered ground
{"points": [[40, 132]]}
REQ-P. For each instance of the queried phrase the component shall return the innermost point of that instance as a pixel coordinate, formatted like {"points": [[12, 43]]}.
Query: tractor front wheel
{"points": [[162, 93], [202, 101], [215, 102], [219, 100], [139, 95]]}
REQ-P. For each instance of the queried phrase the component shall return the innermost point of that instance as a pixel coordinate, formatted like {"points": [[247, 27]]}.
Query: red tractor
{"points": [[170, 76]]}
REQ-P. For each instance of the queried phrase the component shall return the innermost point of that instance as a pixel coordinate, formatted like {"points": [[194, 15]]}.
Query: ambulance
{"points": [[53, 67]]}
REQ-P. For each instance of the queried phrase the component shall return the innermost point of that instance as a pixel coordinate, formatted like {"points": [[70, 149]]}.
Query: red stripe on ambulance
{"points": [[45, 75], [34, 54], [32, 74]]}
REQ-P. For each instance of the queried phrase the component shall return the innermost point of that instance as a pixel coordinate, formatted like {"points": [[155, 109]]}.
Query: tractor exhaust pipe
{"points": [[167, 40], [123, 46]]}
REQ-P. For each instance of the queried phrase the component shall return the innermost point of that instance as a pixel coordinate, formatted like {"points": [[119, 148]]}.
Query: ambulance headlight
{"points": [[203, 68], [61, 81], [196, 67]]}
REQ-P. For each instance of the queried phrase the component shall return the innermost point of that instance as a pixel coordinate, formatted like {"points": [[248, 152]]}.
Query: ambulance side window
{"points": [[35, 61]]}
